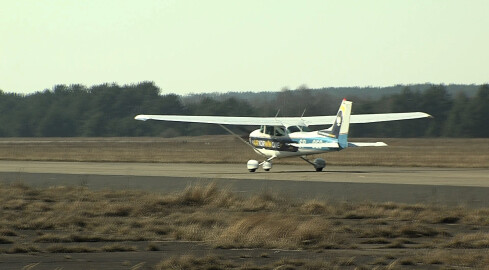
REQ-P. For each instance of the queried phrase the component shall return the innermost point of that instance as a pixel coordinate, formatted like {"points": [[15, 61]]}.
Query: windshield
{"points": [[293, 129], [298, 129]]}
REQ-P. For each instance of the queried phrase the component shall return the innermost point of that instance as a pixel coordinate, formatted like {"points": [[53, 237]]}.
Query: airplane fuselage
{"points": [[291, 144]]}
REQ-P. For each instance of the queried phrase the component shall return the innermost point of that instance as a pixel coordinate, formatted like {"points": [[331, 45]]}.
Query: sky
{"points": [[188, 46]]}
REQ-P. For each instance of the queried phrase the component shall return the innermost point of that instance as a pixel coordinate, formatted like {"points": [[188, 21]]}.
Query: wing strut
{"points": [[243, 140]]}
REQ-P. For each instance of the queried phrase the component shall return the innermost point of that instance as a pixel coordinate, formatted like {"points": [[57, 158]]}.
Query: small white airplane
{"points": [[280, 137]]}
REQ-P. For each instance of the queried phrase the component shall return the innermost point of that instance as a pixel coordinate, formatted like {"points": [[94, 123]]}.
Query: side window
{"points": [[279, 131], [269, 130], [262, 129]]}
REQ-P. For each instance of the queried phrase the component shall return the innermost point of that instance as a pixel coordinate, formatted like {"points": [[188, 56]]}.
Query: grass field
{"points": [[466, 153], [344, 235]]}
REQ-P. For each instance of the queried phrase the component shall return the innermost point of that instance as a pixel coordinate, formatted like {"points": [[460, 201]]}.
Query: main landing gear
{"points": [[318, 163], [252, 165]]}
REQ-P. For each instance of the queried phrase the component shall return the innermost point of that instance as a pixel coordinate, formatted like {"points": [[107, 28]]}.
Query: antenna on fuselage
{"points": [[304, 112], [277, 113]]}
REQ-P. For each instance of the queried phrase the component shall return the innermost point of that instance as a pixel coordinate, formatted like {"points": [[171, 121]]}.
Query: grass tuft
{"points": [[57, 248], [152, 247], [7, 232], [118, 248], [315, 207], [469, 240], [22, 249]]}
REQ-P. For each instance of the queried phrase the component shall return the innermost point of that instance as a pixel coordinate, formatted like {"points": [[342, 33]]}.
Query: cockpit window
{"points": [[269, 130], [293, 129], [273, 130], [298, 129]]}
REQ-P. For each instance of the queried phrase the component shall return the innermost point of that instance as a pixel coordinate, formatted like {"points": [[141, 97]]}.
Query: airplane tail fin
{"points": [[342, 123]]}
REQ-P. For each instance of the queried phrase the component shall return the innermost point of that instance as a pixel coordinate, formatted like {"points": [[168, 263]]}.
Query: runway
{"points": [[444, 186]]}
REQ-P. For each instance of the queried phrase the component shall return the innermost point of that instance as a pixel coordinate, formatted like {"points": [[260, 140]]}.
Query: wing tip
{"points": [[426, 115], [141, 117]]}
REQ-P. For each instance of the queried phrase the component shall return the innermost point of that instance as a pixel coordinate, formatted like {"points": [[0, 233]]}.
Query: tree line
{"points": [[109, 110]]}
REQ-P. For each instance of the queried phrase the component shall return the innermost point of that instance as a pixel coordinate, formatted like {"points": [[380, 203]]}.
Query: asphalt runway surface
{"points": [[439, 186]]}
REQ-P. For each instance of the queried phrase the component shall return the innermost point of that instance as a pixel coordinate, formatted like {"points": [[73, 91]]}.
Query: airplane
{"points": [[281, 137]]}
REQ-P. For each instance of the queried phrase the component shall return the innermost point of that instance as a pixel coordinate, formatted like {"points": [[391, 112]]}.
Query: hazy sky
{"points": [[201, 46]]}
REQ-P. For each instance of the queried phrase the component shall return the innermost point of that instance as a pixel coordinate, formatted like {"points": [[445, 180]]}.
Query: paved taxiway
{"points": [[447, 186]]}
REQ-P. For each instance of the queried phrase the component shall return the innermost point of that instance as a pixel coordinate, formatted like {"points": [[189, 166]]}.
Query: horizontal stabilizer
{"points": [[363, 144], [315, 145]]}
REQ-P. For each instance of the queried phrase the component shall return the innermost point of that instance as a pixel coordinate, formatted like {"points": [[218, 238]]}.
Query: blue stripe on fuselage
{"points": [[315, 140]]}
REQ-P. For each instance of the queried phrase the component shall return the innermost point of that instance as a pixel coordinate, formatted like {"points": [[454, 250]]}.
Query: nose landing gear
{"points": [[252, 165], [267, 165]]}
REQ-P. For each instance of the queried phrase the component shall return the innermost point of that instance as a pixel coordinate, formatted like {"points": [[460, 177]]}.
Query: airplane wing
{"points": [[365, 118], [226, 120], [285, 121]]}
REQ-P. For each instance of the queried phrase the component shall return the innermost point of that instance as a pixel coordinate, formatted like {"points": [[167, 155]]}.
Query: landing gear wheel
{"points": [[252, 165], [267, 165], [319, 164]]}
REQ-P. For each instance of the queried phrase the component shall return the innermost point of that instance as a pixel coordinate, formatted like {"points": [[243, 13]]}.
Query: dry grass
{"points": [[278, 231], [409, 230], [437, 259], [468, 153], [118, 248], [4, 240], [215, 262], [455, 259], [22, 248], [70, 249], [71, 219], [192, 262], [470, 240]]}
